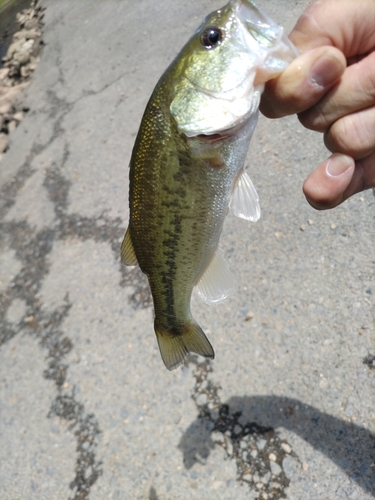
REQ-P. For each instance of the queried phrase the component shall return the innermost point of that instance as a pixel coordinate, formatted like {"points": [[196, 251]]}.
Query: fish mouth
{"points": [[224, 134], [211, 138]]}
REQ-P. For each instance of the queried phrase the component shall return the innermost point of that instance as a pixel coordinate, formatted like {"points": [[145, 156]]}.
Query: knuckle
{"points": [[352, 134], [366, 79], [313, 119], [340, 137]]}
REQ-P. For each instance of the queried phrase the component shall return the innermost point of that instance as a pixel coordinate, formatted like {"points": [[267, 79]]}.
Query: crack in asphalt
{"points": [[258, 451], [369, 360], [264, 461], [240, 441], [32, 250], [87, 431]]}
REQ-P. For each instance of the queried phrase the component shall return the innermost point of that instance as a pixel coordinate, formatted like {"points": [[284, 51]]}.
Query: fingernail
{"points": [[325, 71], [338, 164]]}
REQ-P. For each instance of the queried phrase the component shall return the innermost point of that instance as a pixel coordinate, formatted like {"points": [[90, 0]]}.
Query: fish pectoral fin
{"points": [[127, 251], [217, 282], [174, 347], [244, 200]]}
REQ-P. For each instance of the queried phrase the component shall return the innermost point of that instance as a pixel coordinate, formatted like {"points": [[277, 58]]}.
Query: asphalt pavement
{"points": [[87, 408]]}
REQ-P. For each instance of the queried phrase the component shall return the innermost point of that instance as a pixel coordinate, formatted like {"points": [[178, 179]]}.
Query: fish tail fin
{"points": [[175, 346]]}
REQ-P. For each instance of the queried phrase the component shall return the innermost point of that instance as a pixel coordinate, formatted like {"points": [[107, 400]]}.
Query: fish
{"points": [[187, 167]]}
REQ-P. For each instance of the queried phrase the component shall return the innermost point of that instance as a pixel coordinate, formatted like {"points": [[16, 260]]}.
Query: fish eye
{"points": [[211, 37]]}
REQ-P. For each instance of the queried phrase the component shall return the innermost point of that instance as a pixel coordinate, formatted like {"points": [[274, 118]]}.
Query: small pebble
{"points": [[4, 73], [202, 399], [217, 437], [31, 321], [24, 71], [19, 116], [261, 444], [303, 227], [272, 457], [5, 108], [305, 466], [265, 479], [250, 315], [229, 446], [4, 143], [275, 468], [12, 126], [286, 447], [333, 226]]}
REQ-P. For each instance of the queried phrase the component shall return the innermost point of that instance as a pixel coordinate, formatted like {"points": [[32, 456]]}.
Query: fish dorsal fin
{"points": [[244, 200], [127, 251], [217, 282]]}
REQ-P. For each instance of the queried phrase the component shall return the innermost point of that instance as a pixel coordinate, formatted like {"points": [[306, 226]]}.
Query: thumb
{"points": [[328, 185], [303, 83]]}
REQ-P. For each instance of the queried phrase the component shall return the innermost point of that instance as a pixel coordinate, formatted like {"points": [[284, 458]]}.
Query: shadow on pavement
{"points": [[237, 424]]}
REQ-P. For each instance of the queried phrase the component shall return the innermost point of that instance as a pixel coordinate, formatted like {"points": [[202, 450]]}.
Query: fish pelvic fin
{"points": [[128, 257], [217, 282], [244, 201], [175, 346]]}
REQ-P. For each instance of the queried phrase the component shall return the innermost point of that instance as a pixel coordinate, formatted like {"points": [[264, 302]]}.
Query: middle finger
{"points": [[358, 82]]}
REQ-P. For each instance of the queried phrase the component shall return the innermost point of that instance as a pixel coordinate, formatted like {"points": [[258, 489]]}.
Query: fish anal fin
{"points": [[174, 347], [127, 251], [244, 200], [217, 282]]}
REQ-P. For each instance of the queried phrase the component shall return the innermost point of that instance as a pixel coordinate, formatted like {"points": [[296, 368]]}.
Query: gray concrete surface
{"points": [[87, 409]]}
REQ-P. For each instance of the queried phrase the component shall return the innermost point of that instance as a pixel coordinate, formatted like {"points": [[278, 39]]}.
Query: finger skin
{"points": [[345, 24], [358, 82], [353, 135], [303, 83], [324, 191], [331, 87], [352, 33]]}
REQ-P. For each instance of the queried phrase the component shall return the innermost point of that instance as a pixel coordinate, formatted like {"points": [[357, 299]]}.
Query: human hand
{"points": [[331, 87]]}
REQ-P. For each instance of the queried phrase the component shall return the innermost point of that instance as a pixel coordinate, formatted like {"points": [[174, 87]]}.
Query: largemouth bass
{"points": [[187, 167]]}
